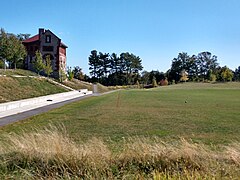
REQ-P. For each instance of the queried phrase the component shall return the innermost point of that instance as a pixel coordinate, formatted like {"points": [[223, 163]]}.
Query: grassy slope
{"points": [[16, 88], [211, 114], [20, 72], [76, 84]]}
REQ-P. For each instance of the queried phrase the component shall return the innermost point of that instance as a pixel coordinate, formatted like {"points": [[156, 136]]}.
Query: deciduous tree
{"points": [[38, 62], [48, 66], [11, 49], [237, 74]]}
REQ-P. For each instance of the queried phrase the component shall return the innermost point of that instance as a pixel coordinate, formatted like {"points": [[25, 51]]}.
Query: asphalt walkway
{"points": [[18, 114], [37, 110]]}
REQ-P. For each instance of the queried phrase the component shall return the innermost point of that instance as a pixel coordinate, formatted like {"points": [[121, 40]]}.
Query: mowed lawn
{"points": [[203, 112]]}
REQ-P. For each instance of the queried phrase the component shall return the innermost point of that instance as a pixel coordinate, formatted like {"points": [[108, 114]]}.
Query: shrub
{"points": [[154, 82], [163, 82]]}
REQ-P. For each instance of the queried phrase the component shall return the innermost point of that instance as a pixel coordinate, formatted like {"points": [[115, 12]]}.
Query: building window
{"points": [[48, 38], [47, 48]]}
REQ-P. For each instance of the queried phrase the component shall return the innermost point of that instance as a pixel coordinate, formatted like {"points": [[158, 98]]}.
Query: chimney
{"points": [[41, 31]]}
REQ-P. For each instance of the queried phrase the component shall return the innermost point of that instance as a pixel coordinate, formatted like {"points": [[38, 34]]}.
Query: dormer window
{"points": [[48, 38]]}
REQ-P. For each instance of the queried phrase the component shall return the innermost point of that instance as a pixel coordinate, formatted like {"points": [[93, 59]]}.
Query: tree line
{"points": [[111, 69], [201, 67], [125, 69]]}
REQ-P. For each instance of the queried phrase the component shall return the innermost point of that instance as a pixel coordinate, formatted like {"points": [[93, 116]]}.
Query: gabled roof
{"points": [[63, 45], [36, 38], [32, 39]]}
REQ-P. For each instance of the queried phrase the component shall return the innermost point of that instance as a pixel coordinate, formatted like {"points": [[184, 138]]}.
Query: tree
{"points": [[206, 62], [70, 73], [94, 64], [237, 74], [62, 75], [114, 63], [197, 67], [116, 75], [130, 65], [23, 37], [11, 49], [38, 63], [182, 62], [4, 47], [48, 67], [104, 63], [1, 63], [211, 76], [145, 77], [157, 75], [18, 52], [77, 73], [226, 74], [184, 76], [154, 82]]}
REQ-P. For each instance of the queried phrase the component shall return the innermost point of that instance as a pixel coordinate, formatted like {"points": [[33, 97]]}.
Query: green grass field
{"points": [[184, 131], [210, 115]]}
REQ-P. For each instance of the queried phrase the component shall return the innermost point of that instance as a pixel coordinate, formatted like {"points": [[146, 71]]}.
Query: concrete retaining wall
{"points": [[26, 102]]}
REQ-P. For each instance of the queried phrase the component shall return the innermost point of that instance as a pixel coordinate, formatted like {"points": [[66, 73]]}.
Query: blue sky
{"points": [[155, 30]]}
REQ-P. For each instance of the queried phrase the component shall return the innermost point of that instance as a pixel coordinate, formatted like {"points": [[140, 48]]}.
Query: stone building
{"points": [[48, 44]]}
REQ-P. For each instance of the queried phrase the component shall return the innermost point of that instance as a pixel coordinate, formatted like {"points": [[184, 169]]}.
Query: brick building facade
{"points": [[48, 44]]}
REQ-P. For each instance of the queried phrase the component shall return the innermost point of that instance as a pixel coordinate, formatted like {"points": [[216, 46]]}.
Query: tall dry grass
{"points": [[51, 153]]}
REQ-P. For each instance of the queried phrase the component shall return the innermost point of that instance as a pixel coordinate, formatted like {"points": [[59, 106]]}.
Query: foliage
{"points": [[114, 70], [38, 62], [184, 76], [237, 74], [154, 82], [1, 64], [48, 67], [197, 67], [224, 74], [23, 37], [4, 47], [163, 82], [78, 73], [11, 49], [70, 74], [62, 75], [138, 84]]}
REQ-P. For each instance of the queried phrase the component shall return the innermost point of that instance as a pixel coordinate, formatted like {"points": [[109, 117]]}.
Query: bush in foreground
{"points": [[52, 154]]}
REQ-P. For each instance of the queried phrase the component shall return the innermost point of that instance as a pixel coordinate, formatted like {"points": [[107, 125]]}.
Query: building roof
{"points": [[63, 45], [36, 38], [31, 39]]}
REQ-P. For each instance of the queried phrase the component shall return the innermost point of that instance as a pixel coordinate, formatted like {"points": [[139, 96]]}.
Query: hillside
{"points": [[76, 84], [22, 84]]}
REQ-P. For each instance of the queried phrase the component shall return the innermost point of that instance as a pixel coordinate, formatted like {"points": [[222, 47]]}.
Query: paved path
{"points": [[23, 115], [38, 110]]}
